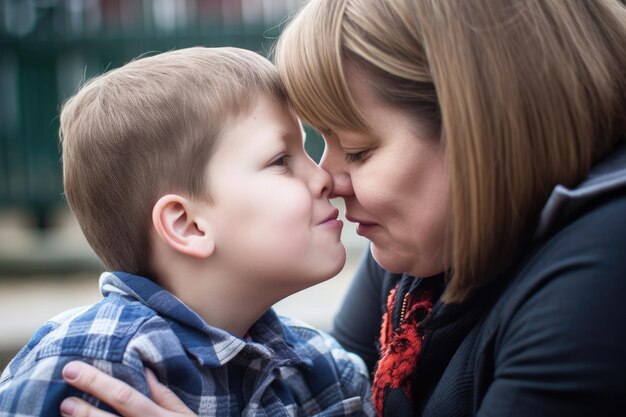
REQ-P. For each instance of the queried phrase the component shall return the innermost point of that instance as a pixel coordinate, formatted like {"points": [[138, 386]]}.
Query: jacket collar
{"points": [[608, 175]]}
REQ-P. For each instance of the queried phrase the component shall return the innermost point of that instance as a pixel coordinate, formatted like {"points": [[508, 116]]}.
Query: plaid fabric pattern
{"points": [[286, 368]]}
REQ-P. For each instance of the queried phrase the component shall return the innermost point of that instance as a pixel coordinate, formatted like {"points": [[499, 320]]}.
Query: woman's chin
{"points": [[394, 262]]}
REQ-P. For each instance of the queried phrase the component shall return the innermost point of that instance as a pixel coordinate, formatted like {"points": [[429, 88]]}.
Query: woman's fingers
{"points": [[122, 397], [75, 407], [115, 393]]}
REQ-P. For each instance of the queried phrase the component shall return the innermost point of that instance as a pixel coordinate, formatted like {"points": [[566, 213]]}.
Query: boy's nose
{"points": [[322, 183]]}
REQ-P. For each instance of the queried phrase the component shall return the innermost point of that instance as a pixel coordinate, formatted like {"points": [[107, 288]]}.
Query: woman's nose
{"points": [[334, 163]]}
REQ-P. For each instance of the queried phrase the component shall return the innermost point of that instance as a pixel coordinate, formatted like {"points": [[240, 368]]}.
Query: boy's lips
{"points": [[331, 219]]}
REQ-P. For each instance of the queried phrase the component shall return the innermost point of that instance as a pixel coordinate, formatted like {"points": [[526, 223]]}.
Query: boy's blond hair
{"points": [[146, 129]]}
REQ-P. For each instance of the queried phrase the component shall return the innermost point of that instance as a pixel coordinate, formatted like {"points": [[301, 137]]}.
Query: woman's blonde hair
{"points": [[524, 94], [146, 129]]}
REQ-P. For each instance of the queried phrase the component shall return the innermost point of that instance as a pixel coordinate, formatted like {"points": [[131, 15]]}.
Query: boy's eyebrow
{"points": [[287, 136]]}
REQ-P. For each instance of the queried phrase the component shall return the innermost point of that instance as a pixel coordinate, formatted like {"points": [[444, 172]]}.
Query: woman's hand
{"points": [[122, 397]]}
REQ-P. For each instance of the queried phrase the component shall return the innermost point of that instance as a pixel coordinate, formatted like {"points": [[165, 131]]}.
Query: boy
{"points": [[186, 171]]}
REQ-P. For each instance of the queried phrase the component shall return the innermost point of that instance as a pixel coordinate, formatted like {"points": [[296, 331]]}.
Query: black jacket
{"points": [[546, 338]]}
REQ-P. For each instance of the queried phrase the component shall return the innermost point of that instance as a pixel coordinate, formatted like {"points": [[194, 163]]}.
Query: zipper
{"points": [[405, 303]]}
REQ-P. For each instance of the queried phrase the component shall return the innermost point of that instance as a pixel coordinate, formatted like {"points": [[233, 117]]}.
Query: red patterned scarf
{"points": [[400, 347]]}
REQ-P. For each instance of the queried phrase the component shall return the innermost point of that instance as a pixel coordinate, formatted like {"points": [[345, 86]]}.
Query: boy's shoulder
{"points": [[312, 343], [305, 334], [115, 334], [331, 369], [101, 331], [306, 339]]}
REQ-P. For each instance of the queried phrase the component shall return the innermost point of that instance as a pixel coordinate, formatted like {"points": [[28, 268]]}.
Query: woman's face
{"points": [[394, 183]]}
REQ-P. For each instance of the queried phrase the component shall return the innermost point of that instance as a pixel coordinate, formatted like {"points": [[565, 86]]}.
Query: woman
{"points": [[479, 145]]}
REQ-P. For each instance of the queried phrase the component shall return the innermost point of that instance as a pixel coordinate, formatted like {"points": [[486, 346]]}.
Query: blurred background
{"points": [[47, 48]]}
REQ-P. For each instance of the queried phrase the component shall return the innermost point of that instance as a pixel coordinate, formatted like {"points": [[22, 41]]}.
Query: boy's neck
{"points": [[209, 295], [215, 294]]}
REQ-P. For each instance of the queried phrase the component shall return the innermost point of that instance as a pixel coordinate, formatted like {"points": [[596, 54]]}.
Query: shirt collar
{"points": [[211, 346]]}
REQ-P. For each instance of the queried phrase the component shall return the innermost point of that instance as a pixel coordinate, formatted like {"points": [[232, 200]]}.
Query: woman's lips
{"points": [[364, 227]]}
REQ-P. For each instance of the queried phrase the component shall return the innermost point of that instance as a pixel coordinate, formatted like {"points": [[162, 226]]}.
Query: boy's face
{"points": [[273, 222]]}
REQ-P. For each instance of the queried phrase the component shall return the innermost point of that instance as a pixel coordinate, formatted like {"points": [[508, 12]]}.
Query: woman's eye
{"points": [[355, 157]]}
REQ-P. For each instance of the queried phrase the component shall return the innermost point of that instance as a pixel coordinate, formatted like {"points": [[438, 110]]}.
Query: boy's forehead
{"points": [[262, 129]]}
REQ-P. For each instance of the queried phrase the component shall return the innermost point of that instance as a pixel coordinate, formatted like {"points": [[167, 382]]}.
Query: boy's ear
{"points": [[178, 224]]}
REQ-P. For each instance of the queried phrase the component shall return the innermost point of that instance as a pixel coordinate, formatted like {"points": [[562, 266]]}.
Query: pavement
{"points": [[45, 273]]}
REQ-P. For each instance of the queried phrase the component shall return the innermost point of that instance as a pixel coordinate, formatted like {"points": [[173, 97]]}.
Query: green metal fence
{"points": [[39, 69]]}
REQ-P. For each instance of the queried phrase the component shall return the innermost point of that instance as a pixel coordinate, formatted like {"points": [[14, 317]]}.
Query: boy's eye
{"points": [[355, 157], [281, 161]]}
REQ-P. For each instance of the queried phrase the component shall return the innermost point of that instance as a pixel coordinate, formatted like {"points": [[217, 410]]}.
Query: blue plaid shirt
{"points": [[286, 369]]}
